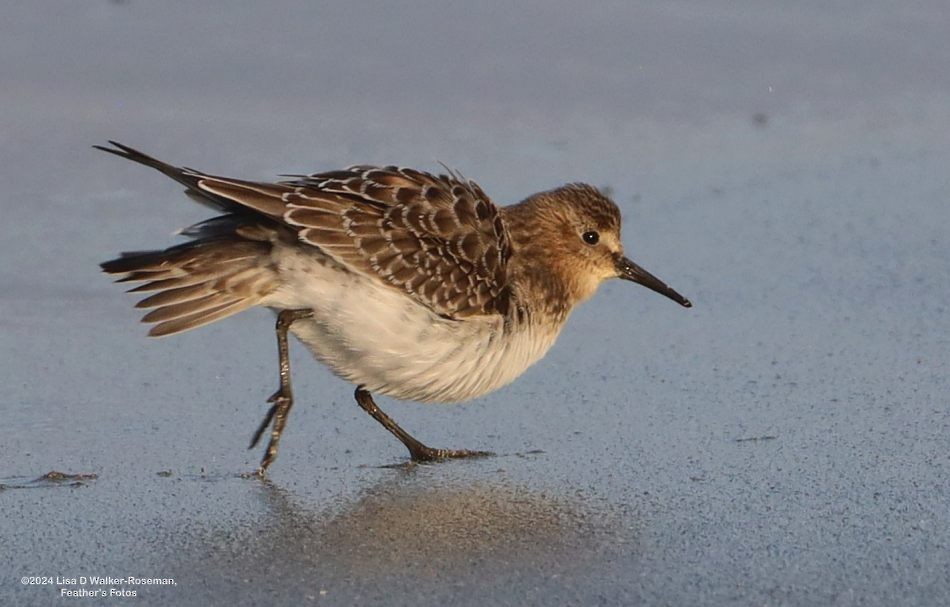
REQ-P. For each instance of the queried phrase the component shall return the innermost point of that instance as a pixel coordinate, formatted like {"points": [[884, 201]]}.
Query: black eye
{"points": [[591, 237]]}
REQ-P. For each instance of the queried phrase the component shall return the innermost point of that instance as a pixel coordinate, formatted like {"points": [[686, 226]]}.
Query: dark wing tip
{"points": [[118, 152], [124, 151]]}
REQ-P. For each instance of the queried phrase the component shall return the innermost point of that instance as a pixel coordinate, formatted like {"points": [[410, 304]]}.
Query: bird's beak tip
{"points": [[628, 270]]}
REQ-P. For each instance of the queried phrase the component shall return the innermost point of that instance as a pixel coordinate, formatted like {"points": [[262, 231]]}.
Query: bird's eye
{"points": [[591, 237]]}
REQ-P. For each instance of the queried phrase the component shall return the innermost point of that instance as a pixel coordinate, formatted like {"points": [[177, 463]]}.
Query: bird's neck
{"points": [[544, 287], [539, 298]]}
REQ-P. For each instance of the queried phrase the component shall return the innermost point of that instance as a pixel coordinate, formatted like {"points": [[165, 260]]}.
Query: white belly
{"points": [[377, 337]]}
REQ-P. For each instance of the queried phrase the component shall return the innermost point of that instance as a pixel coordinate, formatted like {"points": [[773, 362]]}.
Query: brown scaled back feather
{"points": [[437, 238]]}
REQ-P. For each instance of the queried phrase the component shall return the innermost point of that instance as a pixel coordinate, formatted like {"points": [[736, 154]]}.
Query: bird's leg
{"points": [[283, 399], [417, 451]]}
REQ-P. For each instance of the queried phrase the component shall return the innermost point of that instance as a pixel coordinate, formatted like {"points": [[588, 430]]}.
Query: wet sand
{"points": [[784, 442]]}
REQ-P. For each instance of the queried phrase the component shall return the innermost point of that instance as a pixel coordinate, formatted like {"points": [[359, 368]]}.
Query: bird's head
{"points": [[577, 229]]}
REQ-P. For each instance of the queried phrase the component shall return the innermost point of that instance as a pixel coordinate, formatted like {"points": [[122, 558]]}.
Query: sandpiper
{"points": [[405, 283]]}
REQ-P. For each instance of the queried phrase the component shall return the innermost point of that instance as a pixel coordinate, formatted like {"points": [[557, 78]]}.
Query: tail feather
{"points": [[192, 321], [225, 269], [193, 308], [161, 285], [177, 295], [198, 282]]}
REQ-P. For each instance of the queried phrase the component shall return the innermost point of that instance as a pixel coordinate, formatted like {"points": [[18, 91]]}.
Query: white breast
{"points": [[377, 337]]}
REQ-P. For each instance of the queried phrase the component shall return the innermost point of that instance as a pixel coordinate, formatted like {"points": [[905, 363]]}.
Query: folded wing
{"points": [[438, 238]]}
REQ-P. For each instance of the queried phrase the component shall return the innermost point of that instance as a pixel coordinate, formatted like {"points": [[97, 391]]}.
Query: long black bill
{"points": [[631, 271]]}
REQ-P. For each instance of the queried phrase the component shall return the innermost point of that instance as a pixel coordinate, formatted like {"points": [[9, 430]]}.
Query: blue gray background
{"points": [[784, 165]]}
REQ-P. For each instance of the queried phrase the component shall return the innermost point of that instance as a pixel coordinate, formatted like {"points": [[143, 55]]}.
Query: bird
{"points": [[408, 284]]}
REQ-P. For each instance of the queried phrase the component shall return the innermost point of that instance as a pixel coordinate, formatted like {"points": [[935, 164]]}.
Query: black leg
{"points": [[283, 399], [417, 451]]}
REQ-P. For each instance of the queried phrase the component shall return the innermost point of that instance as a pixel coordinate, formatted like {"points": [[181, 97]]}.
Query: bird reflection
{"points": [[403, 525], [413, 533]]}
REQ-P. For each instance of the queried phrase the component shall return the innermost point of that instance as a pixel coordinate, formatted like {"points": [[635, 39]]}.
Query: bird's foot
{"points": [[278, 415], [421, 453]]}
